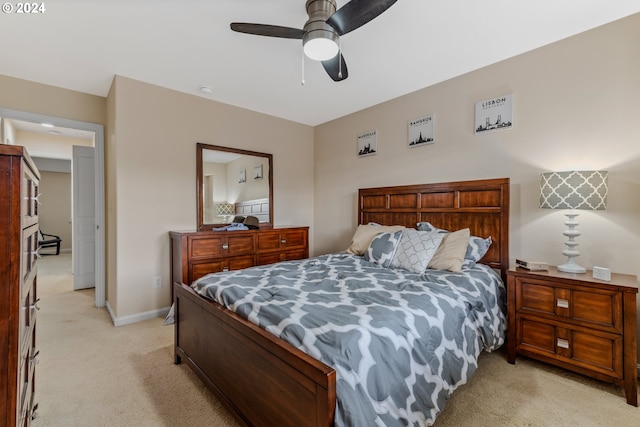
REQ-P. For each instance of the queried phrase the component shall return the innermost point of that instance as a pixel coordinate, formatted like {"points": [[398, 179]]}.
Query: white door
{"points": [[84, 221]]}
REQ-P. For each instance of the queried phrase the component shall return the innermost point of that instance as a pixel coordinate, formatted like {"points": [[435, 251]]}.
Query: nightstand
{"points": [[576, 322]]}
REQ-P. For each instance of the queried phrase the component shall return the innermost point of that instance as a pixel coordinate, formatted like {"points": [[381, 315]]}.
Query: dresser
{"points": [[576, 322], [19, 180], [196, 253]]}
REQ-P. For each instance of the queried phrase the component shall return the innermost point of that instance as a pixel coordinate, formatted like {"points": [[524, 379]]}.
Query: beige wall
{"points": [[55, 210], [24, 95], [151, 165], [576, 106]]}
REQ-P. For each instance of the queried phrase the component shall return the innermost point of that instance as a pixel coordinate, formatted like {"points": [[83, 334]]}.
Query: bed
{"points": [[264, 380]]}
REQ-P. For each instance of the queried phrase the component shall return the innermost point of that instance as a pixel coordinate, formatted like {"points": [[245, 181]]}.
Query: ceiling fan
{"points": [[321, 33]]}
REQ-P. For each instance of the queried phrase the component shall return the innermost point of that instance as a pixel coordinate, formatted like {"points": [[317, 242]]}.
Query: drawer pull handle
{"points": [[34, 306], [34, 412], [34, 358], [562, 303], [225, 269], [225, 246], [283, 241], [563, 343], [36, 198]]}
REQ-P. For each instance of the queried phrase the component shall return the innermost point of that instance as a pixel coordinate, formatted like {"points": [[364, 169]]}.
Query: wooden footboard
{"points": [[261, 379]]}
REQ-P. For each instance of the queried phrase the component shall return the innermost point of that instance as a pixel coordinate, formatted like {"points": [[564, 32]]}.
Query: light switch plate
{"points": [[602, 273]]}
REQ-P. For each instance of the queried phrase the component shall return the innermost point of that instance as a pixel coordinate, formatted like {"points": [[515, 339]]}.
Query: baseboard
{"points": [[134, 318]]}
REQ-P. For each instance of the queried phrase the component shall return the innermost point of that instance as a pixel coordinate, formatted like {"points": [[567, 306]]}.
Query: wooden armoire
{"points": [[19, 181]]}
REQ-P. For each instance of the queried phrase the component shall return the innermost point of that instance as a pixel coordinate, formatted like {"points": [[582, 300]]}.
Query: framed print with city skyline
{"points": [[494, 114], [368, 143], [421, 131]]}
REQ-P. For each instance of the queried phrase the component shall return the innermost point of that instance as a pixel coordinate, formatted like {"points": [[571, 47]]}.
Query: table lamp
{"points": [[586, 190]]}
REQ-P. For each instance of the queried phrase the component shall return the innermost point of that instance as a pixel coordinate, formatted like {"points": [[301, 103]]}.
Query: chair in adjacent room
{"points": [[49, 241]]}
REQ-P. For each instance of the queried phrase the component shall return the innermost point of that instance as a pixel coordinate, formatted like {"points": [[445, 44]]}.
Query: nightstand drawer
{"points": [[588, 349], [597, 308]]}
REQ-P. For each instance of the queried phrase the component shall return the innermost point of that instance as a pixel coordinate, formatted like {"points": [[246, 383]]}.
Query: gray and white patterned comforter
{"points": [[400, 342]]}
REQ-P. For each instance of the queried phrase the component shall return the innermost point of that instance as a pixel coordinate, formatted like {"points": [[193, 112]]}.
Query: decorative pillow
{"points": [[476, 249], [364, 235], [427, 226], [383, 247], [416, 250], [450, 253]]}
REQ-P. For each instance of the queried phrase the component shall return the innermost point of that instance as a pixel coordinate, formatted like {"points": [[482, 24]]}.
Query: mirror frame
{"points": [[200, 182]]}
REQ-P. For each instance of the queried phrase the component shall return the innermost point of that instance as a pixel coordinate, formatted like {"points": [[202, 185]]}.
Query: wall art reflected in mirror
{"points": [[233, 182]]}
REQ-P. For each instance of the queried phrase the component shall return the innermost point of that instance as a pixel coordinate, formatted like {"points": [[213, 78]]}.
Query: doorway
{"points": [[98, 130]]}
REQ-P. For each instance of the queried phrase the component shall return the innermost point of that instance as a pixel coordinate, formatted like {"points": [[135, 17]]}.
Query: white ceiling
{"points": [[182, 45]]}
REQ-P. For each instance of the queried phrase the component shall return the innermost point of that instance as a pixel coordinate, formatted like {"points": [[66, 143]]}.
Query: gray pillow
{"points": [[382, 248], [476, 249]]}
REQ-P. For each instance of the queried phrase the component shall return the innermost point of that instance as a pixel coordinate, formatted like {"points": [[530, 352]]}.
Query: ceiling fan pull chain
{"points": [[302, 82]]}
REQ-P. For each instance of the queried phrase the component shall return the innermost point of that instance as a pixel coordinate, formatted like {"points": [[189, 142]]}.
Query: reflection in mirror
{"points": [[233, 182]]}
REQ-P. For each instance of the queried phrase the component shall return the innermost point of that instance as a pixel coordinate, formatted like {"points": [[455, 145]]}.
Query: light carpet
{"points": [[94, 374]]}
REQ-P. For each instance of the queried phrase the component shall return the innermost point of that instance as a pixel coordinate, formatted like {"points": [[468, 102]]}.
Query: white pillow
{"points": [[416, 250]]}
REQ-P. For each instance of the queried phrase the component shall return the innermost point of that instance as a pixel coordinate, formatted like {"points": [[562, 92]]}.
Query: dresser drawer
{"points": [[282, 239], [588, 349], [213, 246], [201, 268], [597, 308]]}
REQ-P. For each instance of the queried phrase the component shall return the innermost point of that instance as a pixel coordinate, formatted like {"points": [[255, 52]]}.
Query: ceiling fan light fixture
{"points": [[320, 45]]}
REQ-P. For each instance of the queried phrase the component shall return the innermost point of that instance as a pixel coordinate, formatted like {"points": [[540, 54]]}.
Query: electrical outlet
{"points": [[157, 282]]}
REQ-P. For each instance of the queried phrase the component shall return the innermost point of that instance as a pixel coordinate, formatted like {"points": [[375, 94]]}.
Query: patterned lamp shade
{"points": [[225, 209], [585, 190]]}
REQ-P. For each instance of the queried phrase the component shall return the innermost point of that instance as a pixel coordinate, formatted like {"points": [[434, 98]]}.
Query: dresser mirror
{"points": [[233, 182]]}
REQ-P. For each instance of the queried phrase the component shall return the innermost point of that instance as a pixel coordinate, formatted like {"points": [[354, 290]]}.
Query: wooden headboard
{"points": [[257, 207], [481, 205]]}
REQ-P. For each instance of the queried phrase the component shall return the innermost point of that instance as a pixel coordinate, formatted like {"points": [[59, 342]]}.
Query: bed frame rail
{"points": [[262, 380]]}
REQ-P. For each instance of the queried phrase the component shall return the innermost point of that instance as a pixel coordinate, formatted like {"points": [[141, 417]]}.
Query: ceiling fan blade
{"points": [[356, 13], [267, 30], [336, 68]]}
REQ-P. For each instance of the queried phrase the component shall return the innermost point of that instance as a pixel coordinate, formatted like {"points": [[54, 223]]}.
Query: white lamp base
{"points": [[571, 252], [571, 267]]}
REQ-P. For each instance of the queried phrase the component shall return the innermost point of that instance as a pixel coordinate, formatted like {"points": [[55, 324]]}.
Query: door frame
{"points": [[98, 130]]}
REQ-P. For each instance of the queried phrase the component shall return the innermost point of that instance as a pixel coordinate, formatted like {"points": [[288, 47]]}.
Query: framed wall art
{"points": [[242, 176], [368, 143], [421, 131], [494, 114], [257, 172]]}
